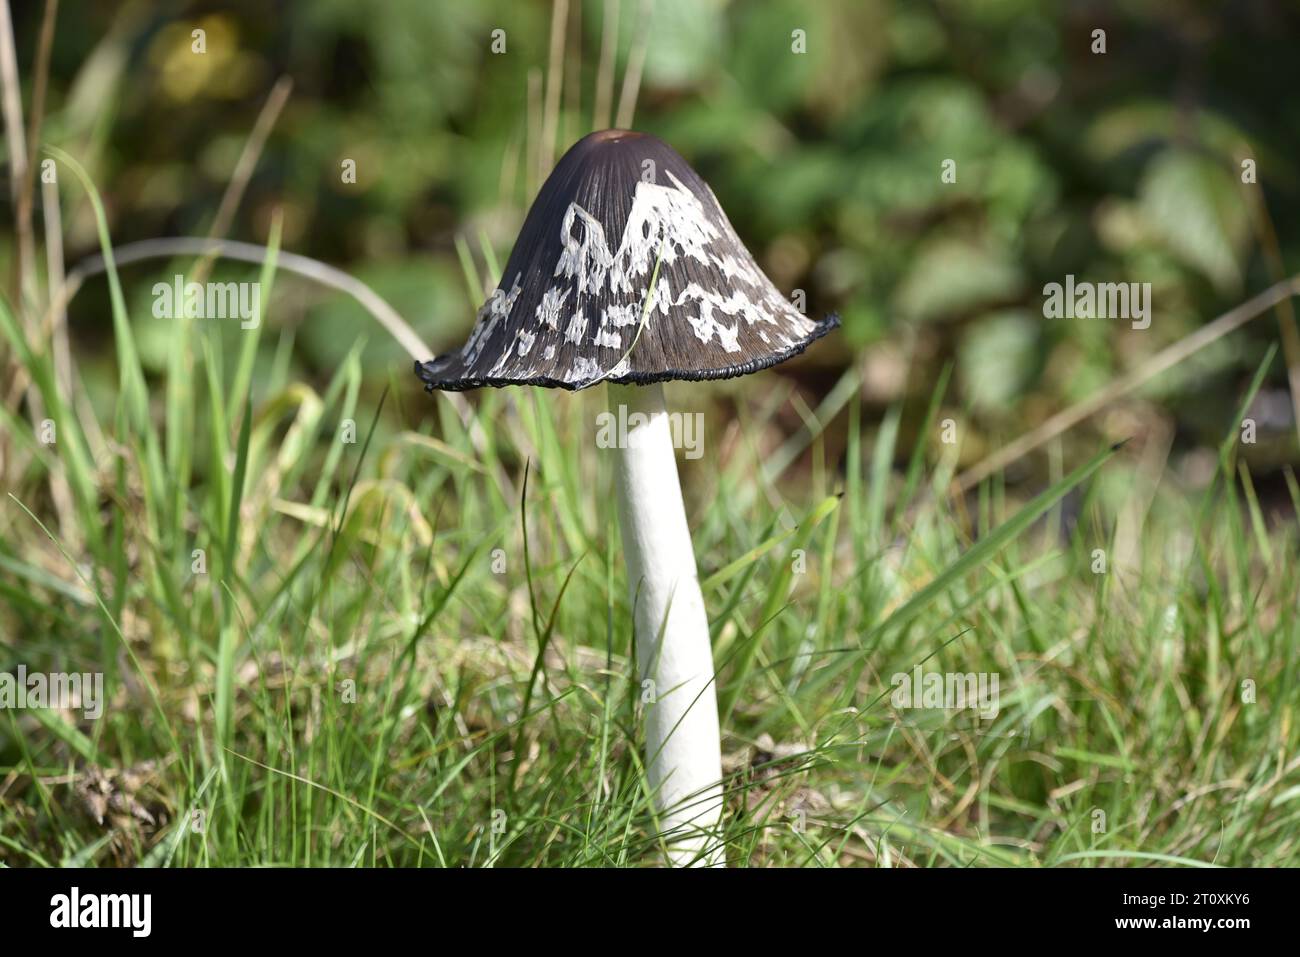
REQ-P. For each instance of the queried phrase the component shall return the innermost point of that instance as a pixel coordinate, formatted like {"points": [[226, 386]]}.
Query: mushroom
{"points": [[626, 270]]}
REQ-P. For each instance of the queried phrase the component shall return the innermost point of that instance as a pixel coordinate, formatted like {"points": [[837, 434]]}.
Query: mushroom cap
{"points": [[575, 307]]}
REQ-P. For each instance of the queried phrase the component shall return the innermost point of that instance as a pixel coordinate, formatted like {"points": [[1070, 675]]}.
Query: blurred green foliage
{"points": [[1115, 166]]}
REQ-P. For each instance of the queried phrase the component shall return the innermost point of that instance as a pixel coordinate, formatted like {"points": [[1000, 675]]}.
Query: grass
{"points": [[407, 645], [344, 623]]}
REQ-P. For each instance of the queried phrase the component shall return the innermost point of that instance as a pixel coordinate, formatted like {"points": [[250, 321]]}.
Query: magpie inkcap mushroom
{"points": [[627, 271], [619, 208]]}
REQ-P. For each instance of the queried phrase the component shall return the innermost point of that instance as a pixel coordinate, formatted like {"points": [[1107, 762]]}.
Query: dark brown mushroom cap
{"points": [[574, 306]]}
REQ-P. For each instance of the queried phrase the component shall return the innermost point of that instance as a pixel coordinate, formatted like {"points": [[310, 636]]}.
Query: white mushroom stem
{"points": [[683, 750]]}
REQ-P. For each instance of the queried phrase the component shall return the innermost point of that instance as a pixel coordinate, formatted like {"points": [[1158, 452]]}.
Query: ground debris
{"points": [[116, 797]]}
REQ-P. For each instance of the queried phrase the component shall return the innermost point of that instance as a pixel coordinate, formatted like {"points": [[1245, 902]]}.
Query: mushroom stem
{"points": [[683, 750]]}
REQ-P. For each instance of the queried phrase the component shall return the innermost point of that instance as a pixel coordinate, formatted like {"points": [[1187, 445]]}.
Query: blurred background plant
{"points": [[1115, 166]]}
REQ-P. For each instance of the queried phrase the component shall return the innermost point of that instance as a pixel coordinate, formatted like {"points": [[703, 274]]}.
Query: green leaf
{"points": [[1196, 209], [954, 276]]}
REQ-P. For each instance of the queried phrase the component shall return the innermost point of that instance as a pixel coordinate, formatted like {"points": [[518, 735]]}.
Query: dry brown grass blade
{"points": [[22, 145], [554, 80], [1153, 456], [244, 168], [572, 113], [508, 186], [11, 104], [605, 66], [1267, 236], [41, 77], [49, 193], [635, 64], [534, 133], [249, 156], [56, 321], [1162, 360]]}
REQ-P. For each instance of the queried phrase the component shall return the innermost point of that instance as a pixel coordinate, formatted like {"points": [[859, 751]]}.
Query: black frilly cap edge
{"points": [[432, 382]]}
